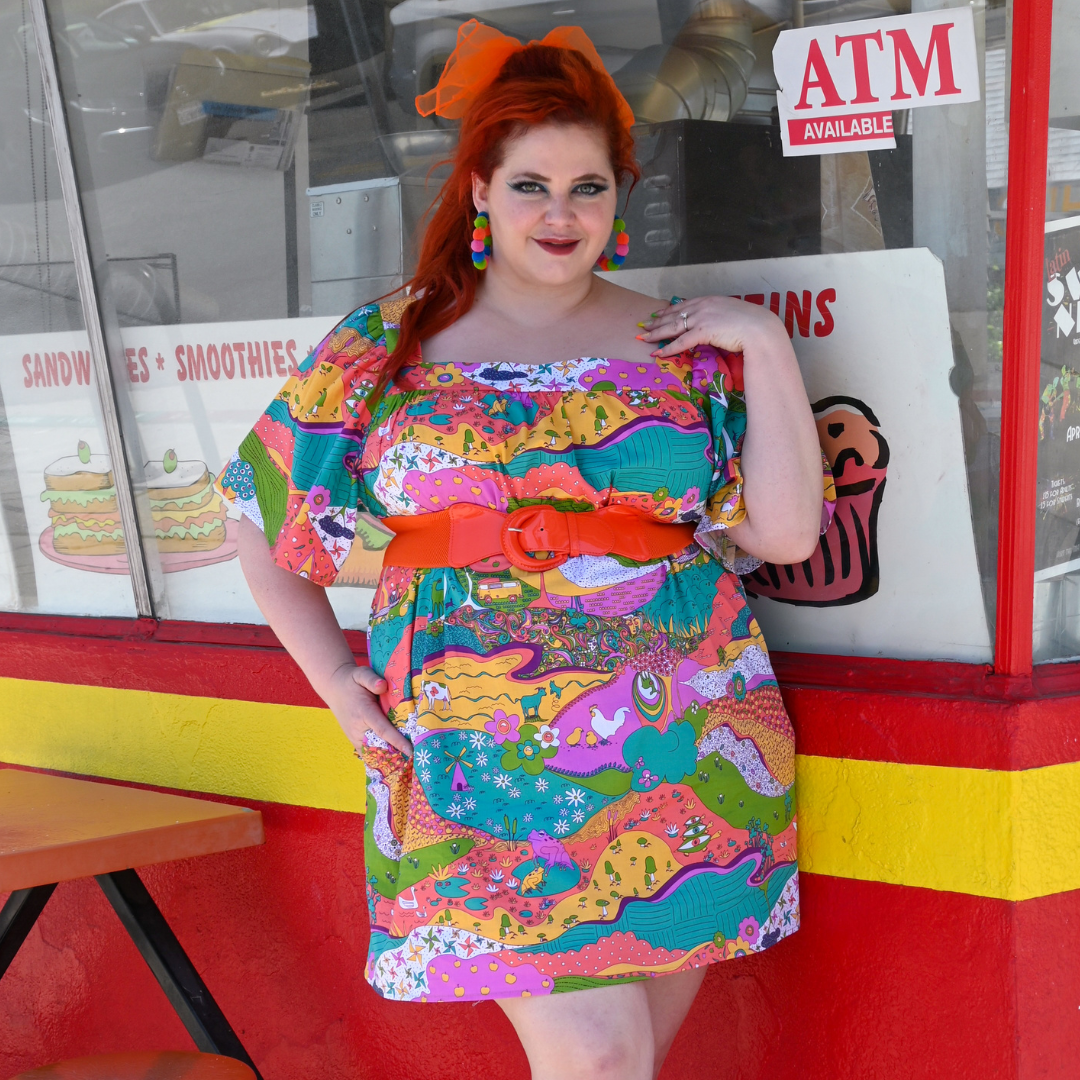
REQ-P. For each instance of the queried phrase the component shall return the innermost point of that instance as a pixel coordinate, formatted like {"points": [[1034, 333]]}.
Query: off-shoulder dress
{"points": [[602, 786]]}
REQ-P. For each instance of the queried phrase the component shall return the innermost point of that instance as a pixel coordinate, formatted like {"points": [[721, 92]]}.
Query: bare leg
{"points": [[599, 1034], [670, 998], [619, 1032]]}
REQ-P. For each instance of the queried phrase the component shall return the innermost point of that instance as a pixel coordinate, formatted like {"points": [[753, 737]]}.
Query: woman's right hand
{"points": [[353, 697]]}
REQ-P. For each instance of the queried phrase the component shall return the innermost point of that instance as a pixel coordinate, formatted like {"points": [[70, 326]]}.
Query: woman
{"points": [[579, 764]]}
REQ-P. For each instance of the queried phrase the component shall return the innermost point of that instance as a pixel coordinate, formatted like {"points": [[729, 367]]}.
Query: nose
{"points": [[559, 210]]}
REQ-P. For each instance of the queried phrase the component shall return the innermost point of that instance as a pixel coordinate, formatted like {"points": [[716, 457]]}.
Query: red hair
{"points": [[540, 84]]}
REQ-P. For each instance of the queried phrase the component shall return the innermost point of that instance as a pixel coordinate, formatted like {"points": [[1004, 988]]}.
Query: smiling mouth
{"points": [[558, 247]]}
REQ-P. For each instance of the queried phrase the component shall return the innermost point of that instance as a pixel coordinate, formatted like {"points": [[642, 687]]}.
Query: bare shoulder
{"points": [[627, 301]]}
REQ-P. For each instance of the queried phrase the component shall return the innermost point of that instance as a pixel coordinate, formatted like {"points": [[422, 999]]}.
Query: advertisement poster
{"points": [[195, 390], [1057, 526]]}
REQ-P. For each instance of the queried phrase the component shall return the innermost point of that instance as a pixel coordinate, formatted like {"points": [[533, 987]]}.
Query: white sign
{"points": [[840, 83], [897, 574], [196, 389]]}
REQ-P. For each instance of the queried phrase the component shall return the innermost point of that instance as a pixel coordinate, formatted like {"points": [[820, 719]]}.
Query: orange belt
{"points": [[531, 537]]}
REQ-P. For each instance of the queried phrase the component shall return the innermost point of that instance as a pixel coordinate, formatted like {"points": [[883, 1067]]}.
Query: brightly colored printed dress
{"points": [[602, 781]]}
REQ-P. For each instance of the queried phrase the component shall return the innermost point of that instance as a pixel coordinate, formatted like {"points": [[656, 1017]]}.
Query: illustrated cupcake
{"points": [[844, 567]]}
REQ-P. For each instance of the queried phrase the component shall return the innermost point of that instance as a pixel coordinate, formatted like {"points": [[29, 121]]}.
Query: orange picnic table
{"points": [[54, 828]]}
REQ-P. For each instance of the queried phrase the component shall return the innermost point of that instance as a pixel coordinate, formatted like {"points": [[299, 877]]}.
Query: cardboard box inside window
{"points": [[233, 109]]}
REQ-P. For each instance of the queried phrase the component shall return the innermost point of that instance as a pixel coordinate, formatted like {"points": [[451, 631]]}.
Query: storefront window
{"points": [[188, 161], [265, 167], [58, 512], [1057, 524]]}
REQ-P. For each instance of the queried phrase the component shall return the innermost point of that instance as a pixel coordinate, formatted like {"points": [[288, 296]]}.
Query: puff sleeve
{"points": [[717, 379], [297, 473], [720, 384]]}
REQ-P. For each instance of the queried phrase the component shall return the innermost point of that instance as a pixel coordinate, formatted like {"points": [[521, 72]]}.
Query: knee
{"points": [[612, 1058]]}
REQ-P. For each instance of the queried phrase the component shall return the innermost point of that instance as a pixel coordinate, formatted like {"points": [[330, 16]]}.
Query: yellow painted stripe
{"points": [[1008, 835], [276, 753]]}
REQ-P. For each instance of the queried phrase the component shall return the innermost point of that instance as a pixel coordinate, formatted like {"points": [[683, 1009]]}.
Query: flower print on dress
{"points": [[738, 947], [749, 930], [547, 736], [318, 499], [503, 727], [531, 752], [444, 375], [351, 462], [668, 509]]}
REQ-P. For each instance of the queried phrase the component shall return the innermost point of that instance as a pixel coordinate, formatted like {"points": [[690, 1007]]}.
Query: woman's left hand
{"points": [[721, 321]]}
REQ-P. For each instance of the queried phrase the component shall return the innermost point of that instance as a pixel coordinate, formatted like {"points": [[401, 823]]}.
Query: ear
{"points": [[480, 189]]}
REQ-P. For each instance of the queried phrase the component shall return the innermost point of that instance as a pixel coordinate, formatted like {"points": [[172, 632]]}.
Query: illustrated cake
{"points": [[188, 514], [82, 504]]}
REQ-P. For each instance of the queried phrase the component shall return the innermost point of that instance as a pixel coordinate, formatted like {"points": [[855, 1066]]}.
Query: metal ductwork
{"points": [[702, 75]]}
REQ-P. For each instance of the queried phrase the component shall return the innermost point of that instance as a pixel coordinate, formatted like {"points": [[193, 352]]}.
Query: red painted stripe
{"points": [[882, 981], [917, 712], [243, 663], [1029, 107], [923, 730]]}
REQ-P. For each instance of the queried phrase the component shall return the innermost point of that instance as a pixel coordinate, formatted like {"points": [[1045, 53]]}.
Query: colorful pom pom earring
{"points": [[481, 241], [622, 248]]}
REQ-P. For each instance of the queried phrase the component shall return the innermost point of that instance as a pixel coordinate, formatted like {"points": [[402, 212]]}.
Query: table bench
{"points": [[55, 828]]}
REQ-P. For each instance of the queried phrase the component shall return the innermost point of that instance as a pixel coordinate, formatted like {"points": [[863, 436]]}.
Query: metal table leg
{"points": [[166, 958], [17, 920]]}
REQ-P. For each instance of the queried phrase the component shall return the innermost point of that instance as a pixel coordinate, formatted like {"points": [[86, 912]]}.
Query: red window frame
{"points": [[1029, 117]]}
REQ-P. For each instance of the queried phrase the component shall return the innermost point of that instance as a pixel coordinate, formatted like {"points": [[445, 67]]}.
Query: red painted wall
{"points": [[1047, 964], [883, 981], [886, 982]]}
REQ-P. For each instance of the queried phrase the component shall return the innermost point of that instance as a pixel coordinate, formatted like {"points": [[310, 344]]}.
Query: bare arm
{"points": [[299, 613], [781, 455]]}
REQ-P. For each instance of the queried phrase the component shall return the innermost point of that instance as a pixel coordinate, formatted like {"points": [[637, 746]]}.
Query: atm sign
{"points": [[840, 83]]}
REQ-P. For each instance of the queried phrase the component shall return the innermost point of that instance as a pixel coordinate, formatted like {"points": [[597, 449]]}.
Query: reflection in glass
{"points": [[61, 544]]}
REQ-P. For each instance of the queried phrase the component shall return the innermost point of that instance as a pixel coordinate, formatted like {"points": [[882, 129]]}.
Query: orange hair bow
{"points": [[478, 58]]}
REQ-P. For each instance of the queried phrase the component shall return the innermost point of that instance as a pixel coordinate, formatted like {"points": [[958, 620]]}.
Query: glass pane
{"points": [[266, 163], [190, 129], [1056, 631], [728, 193], [61, 544]]}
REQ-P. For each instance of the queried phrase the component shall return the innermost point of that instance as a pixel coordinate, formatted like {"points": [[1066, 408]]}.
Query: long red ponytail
{"points": [[539, 84]]}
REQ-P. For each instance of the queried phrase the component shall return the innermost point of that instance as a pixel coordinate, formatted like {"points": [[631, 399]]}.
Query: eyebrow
{"points": [[547, 180]]}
